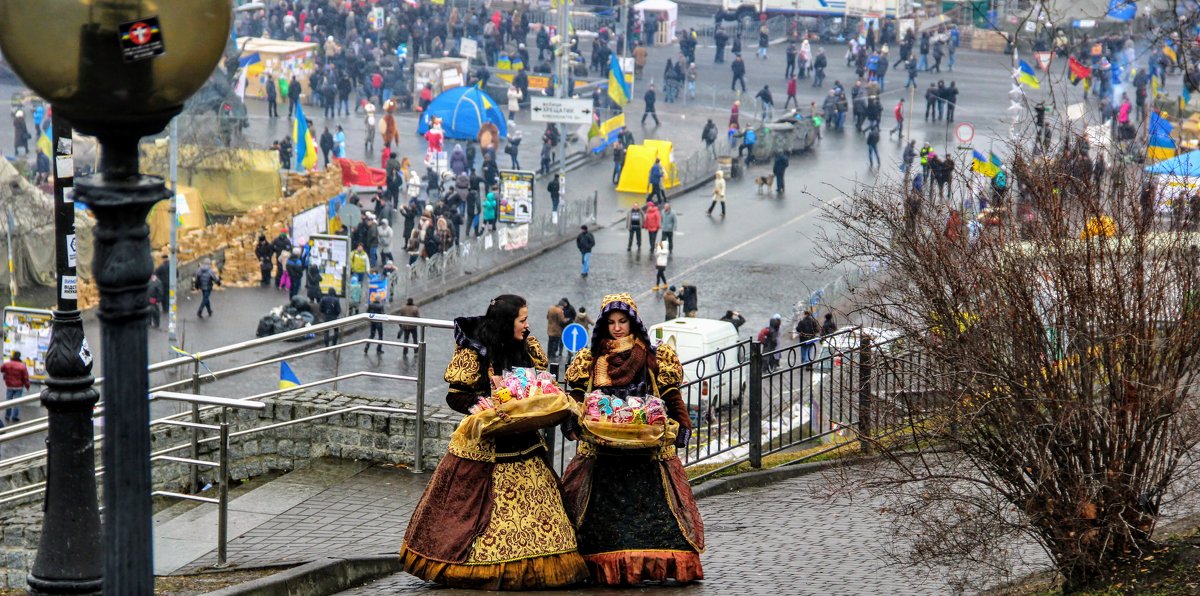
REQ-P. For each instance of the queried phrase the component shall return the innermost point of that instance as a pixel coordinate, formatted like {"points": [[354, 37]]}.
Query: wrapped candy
{"points": [[634, 402], [502, 395], [617, 403], [622, 416]]}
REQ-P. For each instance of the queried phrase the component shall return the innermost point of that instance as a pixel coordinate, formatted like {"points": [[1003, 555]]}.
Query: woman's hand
{"points": [[681, 439], [570, 429]]}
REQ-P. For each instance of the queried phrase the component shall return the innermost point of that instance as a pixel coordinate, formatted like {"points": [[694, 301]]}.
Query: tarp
{"points": [[463, 110], [190, 214], [635, 174], [1186, 165], [229, 181], [33, 232], [357, 173]]}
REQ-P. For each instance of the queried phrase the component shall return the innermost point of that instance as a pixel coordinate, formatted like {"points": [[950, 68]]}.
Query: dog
{"points": [[764, 183]]}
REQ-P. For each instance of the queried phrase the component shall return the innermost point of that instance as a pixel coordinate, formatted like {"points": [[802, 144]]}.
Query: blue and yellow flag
{"points": [[287, 378], [1161, 145], [1026, 77], [618, 87], [302, 140], [999, 165], [1169, 52], [983, 165]]}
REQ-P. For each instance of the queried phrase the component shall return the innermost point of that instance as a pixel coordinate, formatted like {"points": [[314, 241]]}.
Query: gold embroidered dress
{"points": [[636, 518], [492, 516]]}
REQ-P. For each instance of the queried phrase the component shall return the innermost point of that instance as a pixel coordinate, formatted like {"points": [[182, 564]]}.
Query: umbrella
{"points": [[251, 6], [463, 111]]}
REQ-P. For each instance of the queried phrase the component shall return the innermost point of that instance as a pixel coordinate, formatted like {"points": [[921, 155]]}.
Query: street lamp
{"points": [[117, 70]]}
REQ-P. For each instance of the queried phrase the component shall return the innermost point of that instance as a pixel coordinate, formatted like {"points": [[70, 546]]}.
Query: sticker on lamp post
{"points": [[141, 40]]}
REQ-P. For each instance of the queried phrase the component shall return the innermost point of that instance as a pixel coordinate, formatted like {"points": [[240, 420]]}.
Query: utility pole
{"points": [[564, 91], [172, 285]]}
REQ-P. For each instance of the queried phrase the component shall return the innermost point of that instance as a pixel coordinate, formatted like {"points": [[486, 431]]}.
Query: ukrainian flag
{"points": [[983, 165], [302, 140], [287, 378], [1161, 145], [618, 87], [1169, 52], [999, 165], [1026, 77]]}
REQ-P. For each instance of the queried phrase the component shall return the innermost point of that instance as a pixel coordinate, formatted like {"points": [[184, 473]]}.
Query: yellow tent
{"points": [[228, 181], [190, 213], [635, 175]]}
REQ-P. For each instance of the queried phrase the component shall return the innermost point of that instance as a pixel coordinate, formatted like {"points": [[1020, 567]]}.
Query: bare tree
{"points": [[1059, 404]]}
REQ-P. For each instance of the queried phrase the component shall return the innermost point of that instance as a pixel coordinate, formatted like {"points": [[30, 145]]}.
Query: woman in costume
{"points": [[635, 515], [492, 516]]}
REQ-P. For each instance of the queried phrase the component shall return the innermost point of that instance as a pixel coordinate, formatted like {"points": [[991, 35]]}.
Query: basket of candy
{"points": [[522, 400], [630, 423]]}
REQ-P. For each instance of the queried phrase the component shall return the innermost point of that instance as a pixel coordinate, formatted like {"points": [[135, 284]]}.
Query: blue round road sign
{"points": [[574, 337]]}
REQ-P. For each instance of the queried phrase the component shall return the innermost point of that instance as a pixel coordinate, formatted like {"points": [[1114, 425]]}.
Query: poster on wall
{"points": [[309, 222], [516, 197], [332, 255], [27, 330]]}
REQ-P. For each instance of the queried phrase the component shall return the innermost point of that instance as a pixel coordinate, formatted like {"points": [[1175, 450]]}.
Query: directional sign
{"points": [[575, 337], [569, 111]]}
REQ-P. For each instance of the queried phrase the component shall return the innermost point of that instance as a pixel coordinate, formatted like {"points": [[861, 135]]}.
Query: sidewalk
{"points": [[782, 535]]}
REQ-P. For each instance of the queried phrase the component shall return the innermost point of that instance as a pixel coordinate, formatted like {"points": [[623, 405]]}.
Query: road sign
{"points": [[569, 111], [575, 337], [964, 132]]}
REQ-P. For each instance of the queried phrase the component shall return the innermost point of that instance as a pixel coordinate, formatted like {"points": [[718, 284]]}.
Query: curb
{"points": [[323, 576], [760, 478]]}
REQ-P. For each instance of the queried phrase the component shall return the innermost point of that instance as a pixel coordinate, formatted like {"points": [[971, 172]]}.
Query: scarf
{"points": [[623, 360]]}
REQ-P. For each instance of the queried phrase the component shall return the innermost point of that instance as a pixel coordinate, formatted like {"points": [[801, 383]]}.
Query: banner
{"points": [[309, 222], [332, 255], [357, 173], [514, 237], [377, 288], [27, 330]]}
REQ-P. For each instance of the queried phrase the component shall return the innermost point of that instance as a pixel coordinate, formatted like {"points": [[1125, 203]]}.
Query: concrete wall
{"points": [[377, 437]]}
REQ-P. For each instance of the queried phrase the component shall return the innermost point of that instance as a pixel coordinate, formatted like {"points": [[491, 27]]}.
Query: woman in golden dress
{"points": [[635, 516], [492, 516]]}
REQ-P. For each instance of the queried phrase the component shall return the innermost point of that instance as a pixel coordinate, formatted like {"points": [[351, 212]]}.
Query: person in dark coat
{"points": [[331, 308], [295, 271], [312, 283], [779, 168]]}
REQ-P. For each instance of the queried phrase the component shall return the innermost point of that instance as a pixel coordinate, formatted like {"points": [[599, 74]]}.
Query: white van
{"points": [[693, 338]]}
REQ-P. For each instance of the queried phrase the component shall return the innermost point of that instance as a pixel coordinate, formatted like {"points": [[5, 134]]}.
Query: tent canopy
{"points": [[1187, 165], [463, 111], [635, 174], [667, 6]]}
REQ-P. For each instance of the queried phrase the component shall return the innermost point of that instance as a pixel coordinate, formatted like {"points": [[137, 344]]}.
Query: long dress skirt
{"points": [[493, 526], [635, 514]]}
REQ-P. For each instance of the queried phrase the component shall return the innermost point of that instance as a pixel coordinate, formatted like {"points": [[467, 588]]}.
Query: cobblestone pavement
{"points": [[779, 539]]}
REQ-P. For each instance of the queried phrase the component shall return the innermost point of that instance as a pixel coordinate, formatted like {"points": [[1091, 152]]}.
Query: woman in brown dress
{"points": [[492, 516], [635, 515]]}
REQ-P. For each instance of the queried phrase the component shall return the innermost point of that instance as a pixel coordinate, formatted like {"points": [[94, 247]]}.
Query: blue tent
{"points": [[1186, 165], [463, 110]]}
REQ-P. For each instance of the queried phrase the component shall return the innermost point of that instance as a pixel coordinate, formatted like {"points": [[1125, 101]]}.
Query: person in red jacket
{"points": [[899, 114], [791, 93], [16, 381], [653, 221]]}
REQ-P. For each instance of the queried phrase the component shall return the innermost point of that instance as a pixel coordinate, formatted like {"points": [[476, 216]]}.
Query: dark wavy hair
{"points": [[601, 334], [496, 333]]}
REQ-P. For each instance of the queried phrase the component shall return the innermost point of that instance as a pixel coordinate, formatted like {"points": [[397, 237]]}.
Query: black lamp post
{"points": [[117, 70]]}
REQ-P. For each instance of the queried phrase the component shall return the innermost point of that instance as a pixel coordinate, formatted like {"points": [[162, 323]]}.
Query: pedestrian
{"points": [[749, 139], [791, 94], [734, 318], [669, 224], [779, 168], [556, 319], [766, 102], [163, 273], [618, 160], [806, 331], [489, 211], [950, 97], [272, 94], [652, 222], [764, 41], [16, 383], [281, 244], [585, 242], [769, 338], [873, 147], [312, 283], [898, 113], [295, 271], [293, 94], [408, 331], [910, 153], [911, 68], [339, 140], [360, 261], [671, 303], [331, 309], [718, 195], [204, 281], [828, 327], [720, 38], [633, 223], [931, 100], [662, 257], [819, 64], [650, 98], [385, 233], [376, 327], [739, 73], [583, 319], [691, 300], [656, 182], [154, 294], [514, 101], [326, 144], [513, 147], [263, 252], [554, 187], [790, 60]]}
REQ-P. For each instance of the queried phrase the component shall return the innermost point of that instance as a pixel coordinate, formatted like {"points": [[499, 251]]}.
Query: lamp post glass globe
{"points": [[107, 61]]}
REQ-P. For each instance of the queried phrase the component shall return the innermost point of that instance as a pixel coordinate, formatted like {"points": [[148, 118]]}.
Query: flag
{"points": [[1161, 145], [999, 165], [1169, 52], [1077, 72], [1025, 75], [618, 87], [981, 164], [1153, 87], [240, 87], [44, 144], [287, 378], [302, 139]]}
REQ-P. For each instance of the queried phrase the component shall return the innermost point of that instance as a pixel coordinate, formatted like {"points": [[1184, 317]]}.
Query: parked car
{"points": [[706, 347]]}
